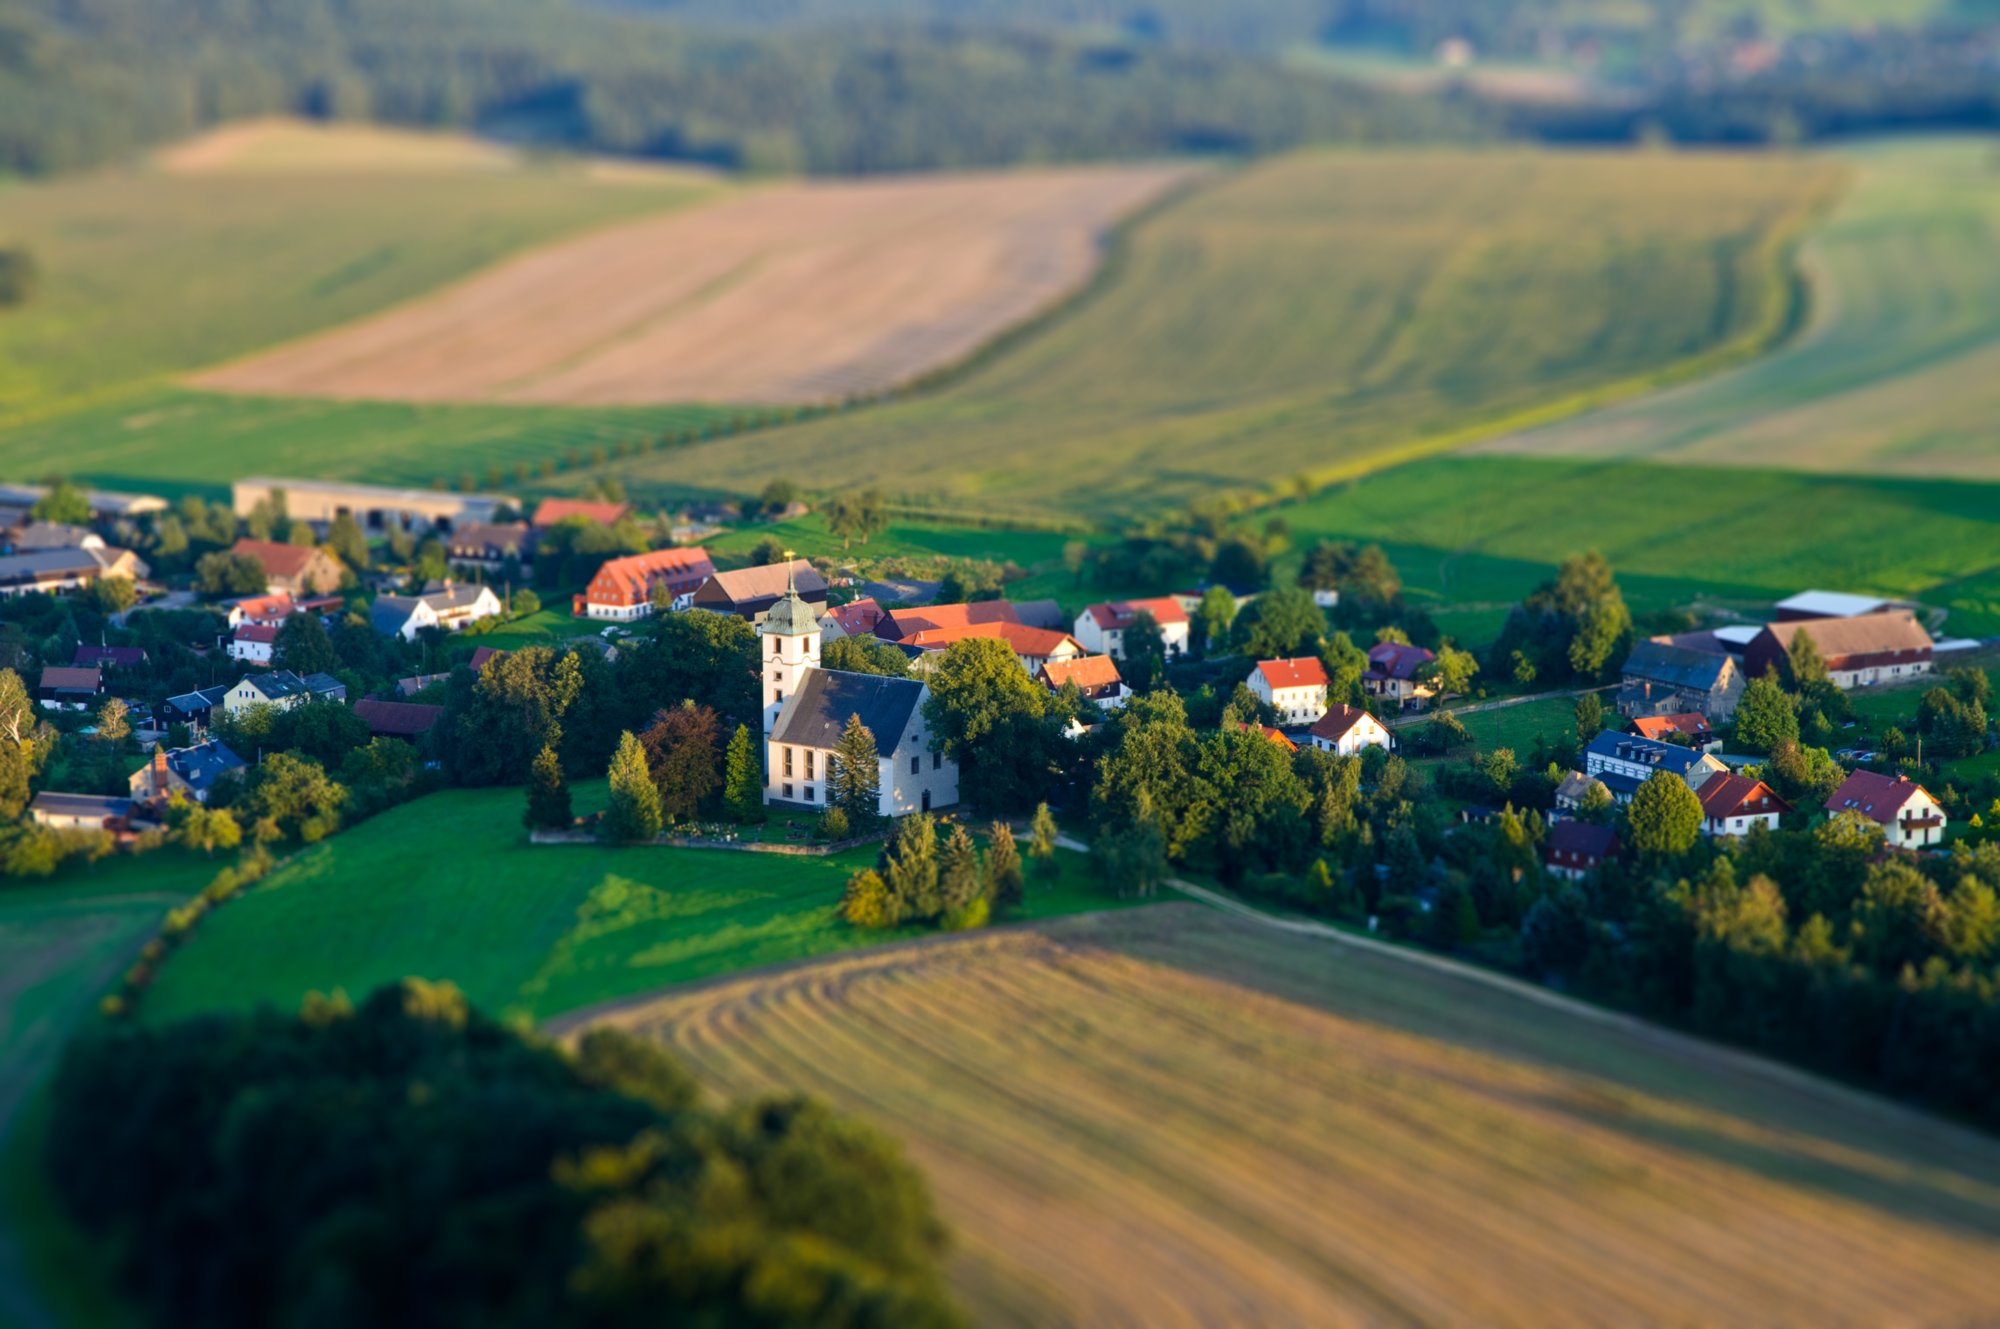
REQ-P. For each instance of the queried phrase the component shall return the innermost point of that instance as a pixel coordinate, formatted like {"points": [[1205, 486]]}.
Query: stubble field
{"points": [[1164, 1118]]}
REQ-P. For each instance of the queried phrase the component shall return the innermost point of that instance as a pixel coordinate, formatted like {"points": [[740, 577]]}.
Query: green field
{"points": [[1898, 372], [448, 888], [1517, 727], [1322, 313]]}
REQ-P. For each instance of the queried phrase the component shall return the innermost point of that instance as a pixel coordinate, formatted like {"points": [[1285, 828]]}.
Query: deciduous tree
{"points": [[1664, 819]]}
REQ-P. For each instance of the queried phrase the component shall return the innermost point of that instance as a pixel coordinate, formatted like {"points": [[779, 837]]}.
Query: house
{"points": [[900, 625], [1832, 604], [398, 719], [254, 643], [806, 709], [1732, 804], [376, 508], [411, 686], [1296, 689], [112, 657], [1345, 730], [67, 688], [1102, 627], [1661, 678], [292, 569], [751, 593], [1574, 849], [623, 588], [488, 546], [1860, 651], [44, 535], [484, 653], [53, 571], [1623, 762], [1394, 671], [1275, 735], [1575, 789], [1909, 817], [194, 709], [82, 812], [1691, 726], [283, 689], [553, 510], [1096, 676], [1033, 647], [857, 618], [190, 772], [1041, 614], [453, 606], [269, 610]]}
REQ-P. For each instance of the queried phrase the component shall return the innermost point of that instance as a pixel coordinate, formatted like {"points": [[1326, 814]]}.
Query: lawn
{"points": [[448, 888], [1516, 727], [1898, 371], [1172, 1117], [1327, 312]]}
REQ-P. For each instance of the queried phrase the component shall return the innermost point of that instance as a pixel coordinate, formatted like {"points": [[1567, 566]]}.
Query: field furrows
{"points": [[1122, 1141]]}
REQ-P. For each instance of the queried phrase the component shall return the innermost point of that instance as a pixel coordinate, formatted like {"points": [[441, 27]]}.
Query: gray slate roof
{"points": [[81, 805], [201, 764], [1675, 666], [1645, 752], [815, 715]]}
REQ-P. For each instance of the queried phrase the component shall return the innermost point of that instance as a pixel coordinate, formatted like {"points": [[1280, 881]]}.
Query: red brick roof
{"points": [[1087, 672], [1876, 797], [904, 623], [65, 676], [1023, 639], [1738, 796], [398, 719], [629, 581], [1304, 672], [260, 632], [277, 560], [1657, 727], [1119, 614], [553, 510], [1339, 718], [265, 606], [482, 655], [857, 618]]}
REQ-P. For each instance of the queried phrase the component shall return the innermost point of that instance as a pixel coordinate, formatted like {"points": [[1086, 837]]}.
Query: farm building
{"points": [[190, 772], [1623, 762], [1096, 676], [53, 571], [1832, 604], [1346, 730], [105, 504], [806, 709], [751, 593], [1101, 628], [1033, 647], [292, 569], [1296, 689], [1909, 817], [376, 507], [1859, 652], [1692, 727], [1661, 678], [488, 545], [41, 535], [1735, 804], [902, 624], [623, 588]]}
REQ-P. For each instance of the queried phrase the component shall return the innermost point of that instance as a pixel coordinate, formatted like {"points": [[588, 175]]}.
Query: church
{"points": [[806, 708]]}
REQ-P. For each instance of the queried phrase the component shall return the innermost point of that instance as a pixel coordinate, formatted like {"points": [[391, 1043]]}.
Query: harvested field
{"points": [[792, 294], [1168, 1118]]}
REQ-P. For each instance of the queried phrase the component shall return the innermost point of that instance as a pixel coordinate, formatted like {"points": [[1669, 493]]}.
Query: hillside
{"points": [[1168, 1118]]}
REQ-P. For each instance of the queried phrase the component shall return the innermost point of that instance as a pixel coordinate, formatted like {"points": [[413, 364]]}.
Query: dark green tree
{"points": [[1005, 885], [633, 815], [548, 794], [854, 783], [743, 777]]}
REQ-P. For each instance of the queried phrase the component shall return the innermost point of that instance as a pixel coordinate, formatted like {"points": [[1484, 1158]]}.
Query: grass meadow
{"points": [[1168, 1117], [1325, 312], [448, 888]]}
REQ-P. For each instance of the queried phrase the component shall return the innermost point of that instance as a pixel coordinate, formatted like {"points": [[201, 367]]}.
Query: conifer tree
{"points": [[634, 814], [548, 793], [866, 902], [1004, 886], [1042, 842], [910, 868], [961, 887], [855, 783], [743, 778]]}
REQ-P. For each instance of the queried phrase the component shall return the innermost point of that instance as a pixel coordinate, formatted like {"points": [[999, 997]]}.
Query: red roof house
{"points": [[623, 587], [553, 510]]}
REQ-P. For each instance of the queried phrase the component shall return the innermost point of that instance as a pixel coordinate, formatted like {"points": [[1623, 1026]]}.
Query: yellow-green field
{"points": [[1330, 311], [1168, 1118], [1898, 372]]}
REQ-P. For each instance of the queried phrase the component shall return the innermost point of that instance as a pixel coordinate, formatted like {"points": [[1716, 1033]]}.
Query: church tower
{"points": [[788, 642]]}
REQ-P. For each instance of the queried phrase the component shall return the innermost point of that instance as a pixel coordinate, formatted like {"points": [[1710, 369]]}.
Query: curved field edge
{"points": [[1168, 1117], [1276, 326]]}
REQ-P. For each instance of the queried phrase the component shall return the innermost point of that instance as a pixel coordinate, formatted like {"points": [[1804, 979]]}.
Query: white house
{"points": [[1909, 817], [1345, 730], [1623, 762], [1101, 628], [447, 605], [1736, 804], [1296, 689], [807, 708], [254, 643]]}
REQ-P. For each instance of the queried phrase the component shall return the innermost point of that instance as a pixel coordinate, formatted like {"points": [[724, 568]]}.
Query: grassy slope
{"points": [[1899, 372], [448, 888], [1322, 312], [1167, 1117]]}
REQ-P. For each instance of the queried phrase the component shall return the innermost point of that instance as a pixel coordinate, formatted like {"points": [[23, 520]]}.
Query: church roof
{"points": [[815, 715], [791, 616]]}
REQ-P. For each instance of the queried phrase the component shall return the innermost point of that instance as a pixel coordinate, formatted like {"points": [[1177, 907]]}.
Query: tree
{"points": [[961, 885], [1214, 614], [866, 903], [743, 777], [1900, 919], [1004, 884], [1132, 859], [64, 505], [208, 829], [777, 495], [1664, 819], [1589, 718], [114, 724], [1279, 624], [1145, 649], [711, 658], [295, 796], [1807, 668], [1042, 842], [1765, 716], [855, 516], [910, 868], [548, 794], [1452, 670], [345, 538], [633, 816], [995, 721], [864, 655], [18, 276], [683, 751], [304, 647], [854, 785], [224, 573], [1555, 935], [511, 712], [1076, 558], [1589, 599], [113, 595]]}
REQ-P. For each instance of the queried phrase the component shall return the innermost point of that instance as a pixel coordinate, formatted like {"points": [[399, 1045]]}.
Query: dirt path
{"points": [[1500, 705]]}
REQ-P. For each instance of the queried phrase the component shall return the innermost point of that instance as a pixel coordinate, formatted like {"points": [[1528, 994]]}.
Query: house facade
{"points": [[1345, 730], [1296, 689], [488, 546], [1095, 676], [623, 588], [1101, 628], [1033, 648], [452, 606], [70, 688], [807, 708], [1395, 672], [1660, 678], [1860, 651], [292, 569], [1575, 849], [254, 643], [190, 772], [282, 689], [1623, 762], [82, 812], [1734, 805], [751, 593], [1909, 817]]}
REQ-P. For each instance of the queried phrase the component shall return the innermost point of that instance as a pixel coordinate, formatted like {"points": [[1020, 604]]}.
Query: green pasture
{"points": [[449, 888], [1517, 727]]}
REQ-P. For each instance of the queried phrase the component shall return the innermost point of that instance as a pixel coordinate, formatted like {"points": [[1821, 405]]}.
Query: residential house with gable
{"points": [[1345, 730], [282, 689], [69, 688], [623, 588], [1661, 678], [190, 772], [453, 606], [292, 569], [751, 593], [1395, 671], [1909, 817], [1296, 689], [1734, 804], [1690, 727], [1101, 628], [1623, 762], [1575, 849], [1095, 676]]}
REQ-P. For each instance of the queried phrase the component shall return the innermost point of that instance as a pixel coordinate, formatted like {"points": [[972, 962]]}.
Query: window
{"points": [[788, 761], [937, 761], [914, 765], [775, 646], [788, 791], [809, 768], [809, 793]]}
